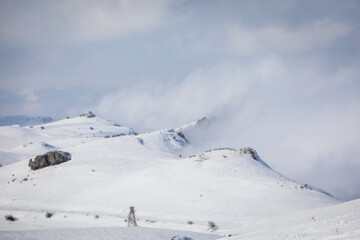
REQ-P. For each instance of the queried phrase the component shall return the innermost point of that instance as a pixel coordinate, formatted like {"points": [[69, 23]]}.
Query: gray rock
{"points": [[88, 115], [49, 158]]}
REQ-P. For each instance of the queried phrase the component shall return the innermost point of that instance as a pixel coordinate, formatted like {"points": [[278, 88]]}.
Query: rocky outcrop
{"points": [[88, 115], [49, 158]]}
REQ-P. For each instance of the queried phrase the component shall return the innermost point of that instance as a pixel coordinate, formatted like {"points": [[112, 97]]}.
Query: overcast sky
{"points": [[282, 77]]}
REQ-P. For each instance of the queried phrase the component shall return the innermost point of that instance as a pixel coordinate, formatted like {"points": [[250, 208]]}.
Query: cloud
{"points": [[273, 105], [283, 39], [238, 39], [29, 94], [154, 104], [72, 22]]}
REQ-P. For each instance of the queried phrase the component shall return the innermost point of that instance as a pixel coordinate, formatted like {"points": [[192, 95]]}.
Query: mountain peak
{"points": [[89, 114]]}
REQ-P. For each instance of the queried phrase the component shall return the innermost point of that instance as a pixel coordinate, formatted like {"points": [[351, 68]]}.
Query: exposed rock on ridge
{"points": [[88, 115], [49, 158]]}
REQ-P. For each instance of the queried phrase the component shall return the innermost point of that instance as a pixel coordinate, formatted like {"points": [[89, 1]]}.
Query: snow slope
{"points": [[20, 143], [341, 221], [109, 233], [169, 140], [113, 168]]}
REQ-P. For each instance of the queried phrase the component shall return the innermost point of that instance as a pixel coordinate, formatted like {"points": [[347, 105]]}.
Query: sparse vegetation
{"points": [[306, 186], [10, 218], [150, 221], [181, 238], [49, 214], [190, 222], [141, 141], [97, 216], [212, 226]]}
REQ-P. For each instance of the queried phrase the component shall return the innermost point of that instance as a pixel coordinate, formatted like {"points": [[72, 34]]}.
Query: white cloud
{"points": [[30, 94], [271, 105], [155, 105], [283, 39], [43, 22]]}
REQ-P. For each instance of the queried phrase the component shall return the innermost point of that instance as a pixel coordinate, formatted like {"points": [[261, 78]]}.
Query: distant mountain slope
{"points": [[109, 175], [19, 143], [22, 120], [170, 141], [112, 167]]}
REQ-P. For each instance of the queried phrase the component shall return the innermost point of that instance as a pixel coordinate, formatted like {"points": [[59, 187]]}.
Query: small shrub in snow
{"points": [[42, 128], [97, 216], [212, 226], [150, 221], [181, 238], [190, 222], [306, 186], [49, 214], [10, 218]]}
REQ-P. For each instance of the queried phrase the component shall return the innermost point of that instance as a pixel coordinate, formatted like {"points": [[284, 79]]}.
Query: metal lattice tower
{"points": [[132, 218]]}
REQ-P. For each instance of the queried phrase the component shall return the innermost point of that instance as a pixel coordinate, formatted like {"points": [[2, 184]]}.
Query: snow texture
{"points": [[112, 168]]}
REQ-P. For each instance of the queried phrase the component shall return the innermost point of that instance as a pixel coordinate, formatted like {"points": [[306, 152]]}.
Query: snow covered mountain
{"points": [[22, 120], [21, 143], [112, 167]]}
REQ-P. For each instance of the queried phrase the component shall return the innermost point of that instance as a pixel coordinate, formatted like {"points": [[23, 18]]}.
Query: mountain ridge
{"points": [[113, 167]]}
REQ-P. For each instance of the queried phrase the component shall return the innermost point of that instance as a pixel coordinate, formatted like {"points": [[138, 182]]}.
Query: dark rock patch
{"points": [[88, 115], [48, 159], [180, 134], [250, 151]]}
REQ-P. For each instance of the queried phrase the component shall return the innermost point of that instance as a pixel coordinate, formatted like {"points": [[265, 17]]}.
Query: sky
{"points": [[282, 77]]}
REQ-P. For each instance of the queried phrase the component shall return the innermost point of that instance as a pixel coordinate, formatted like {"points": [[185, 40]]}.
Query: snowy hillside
{"points": [[21, 143], [24, 120], [341, 221], [112, 167], [170, 141]]}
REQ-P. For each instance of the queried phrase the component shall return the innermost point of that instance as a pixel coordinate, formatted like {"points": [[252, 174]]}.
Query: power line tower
{"points": [[132, 218]]}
